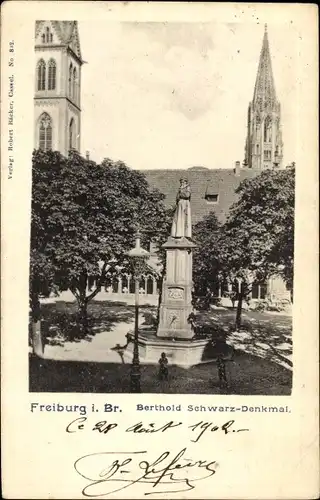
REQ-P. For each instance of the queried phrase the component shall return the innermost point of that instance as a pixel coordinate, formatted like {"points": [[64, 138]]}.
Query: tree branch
{"points": [[99, 283], [75, 292]]}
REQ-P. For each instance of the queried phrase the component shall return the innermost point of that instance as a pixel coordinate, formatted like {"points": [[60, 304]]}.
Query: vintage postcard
{"points": [[159, 250]]}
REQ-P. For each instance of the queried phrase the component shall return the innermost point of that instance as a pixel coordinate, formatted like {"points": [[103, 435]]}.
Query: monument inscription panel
{"points": [[175, 293]]}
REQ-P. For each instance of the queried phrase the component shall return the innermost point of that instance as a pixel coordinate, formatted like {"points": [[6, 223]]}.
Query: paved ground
{"points": [[264, 335], [98, 348], [261, 364], [267, 335]]}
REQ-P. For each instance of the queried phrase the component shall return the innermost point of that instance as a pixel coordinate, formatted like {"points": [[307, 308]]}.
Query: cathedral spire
{"points": [[264, 88], [264, 139]]}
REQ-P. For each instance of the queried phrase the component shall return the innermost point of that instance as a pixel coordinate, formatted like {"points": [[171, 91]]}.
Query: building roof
{"points": [[205, 185], [67, 32]]}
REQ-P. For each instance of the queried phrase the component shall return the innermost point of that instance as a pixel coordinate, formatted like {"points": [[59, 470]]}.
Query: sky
{"points": [[175, 95]]}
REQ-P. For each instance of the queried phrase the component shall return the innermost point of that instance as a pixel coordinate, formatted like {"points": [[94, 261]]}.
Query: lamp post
{"points": [[138, 257]]}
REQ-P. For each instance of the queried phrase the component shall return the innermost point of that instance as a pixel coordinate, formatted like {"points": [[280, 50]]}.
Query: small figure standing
{"points": [[223, 354], [163, 370], [223, 382]]}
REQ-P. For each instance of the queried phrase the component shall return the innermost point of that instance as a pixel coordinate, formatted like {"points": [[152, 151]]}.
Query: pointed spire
{"points": [[264, 89]]}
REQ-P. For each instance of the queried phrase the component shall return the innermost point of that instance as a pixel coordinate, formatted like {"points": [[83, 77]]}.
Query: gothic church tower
{"points": [[264, 139], [57, 86]]}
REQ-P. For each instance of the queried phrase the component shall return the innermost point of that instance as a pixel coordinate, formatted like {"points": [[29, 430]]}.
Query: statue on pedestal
{"points": [[181, 225], [176, 306]]}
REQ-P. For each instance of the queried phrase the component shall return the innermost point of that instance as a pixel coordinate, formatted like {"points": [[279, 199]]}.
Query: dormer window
{"points": [[212, 198]]}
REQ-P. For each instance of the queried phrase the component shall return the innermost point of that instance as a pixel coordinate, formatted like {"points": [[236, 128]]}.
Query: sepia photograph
{"points": [[160, 318], [163, 208]]}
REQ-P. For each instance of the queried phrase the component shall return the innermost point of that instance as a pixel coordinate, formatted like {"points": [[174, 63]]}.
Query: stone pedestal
{"points": [[176, 305], [185, 353]]}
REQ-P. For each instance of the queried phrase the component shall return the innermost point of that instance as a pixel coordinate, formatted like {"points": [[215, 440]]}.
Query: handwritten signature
{"points": [[166, 474]]}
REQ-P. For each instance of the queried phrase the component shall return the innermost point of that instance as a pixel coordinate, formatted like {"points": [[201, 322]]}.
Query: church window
{"points": [[259, 291], [132, 286], [255, 291], [267, 154], [41, 75], [52, 75], [267, 130], [257, 149], [74, 84], [72, 134], [70, 80], [258, 123], [263, 290], [47, 35], [149, 285], [45, 132]]}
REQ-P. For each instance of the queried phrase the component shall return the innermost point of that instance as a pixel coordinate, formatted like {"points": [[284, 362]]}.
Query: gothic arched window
{"points": [[45, 132], [74, 84], [149, 285], [72, 134], [258, 122], [52, 74], [41, 75], [70, 80], [267, 130], [47, 35]]}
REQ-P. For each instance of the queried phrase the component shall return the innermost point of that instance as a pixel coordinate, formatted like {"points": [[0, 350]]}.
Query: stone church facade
{"points": [[57, 101], [57, 110]]}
